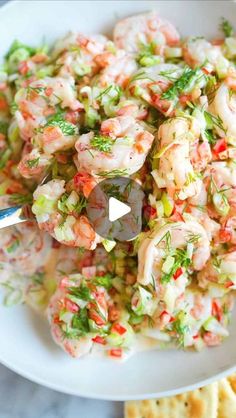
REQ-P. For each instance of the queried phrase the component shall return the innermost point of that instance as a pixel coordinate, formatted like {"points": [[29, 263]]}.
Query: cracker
{"points": [[227, 400], [232, 381], [200, 403]]}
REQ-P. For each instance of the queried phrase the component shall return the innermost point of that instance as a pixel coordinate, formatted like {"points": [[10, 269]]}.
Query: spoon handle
{"points": [[12, 216]]}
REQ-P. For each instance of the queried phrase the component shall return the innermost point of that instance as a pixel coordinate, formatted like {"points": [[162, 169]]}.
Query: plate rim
{"points": [[63, 389]]}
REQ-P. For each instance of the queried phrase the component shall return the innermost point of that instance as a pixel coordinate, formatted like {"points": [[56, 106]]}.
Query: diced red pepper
{"points": [[99, 340], [97, 318], [116, 352], [178, 273], [71, 306], [216, 310], [119, 329], [165, 314], [149, 212], [229, 284], [55, 243], [205, 71], [225, 235], [56, 319], [220, 146], [48, 91], [184, 99], [23, 68], [195, 337]]}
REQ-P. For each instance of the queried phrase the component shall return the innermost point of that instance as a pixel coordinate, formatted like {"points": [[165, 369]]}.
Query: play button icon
{"points": [[117, 209], [114, 208]]}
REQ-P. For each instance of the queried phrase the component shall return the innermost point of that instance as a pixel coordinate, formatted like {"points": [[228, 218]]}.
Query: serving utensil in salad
{"points": [[19, 213], [14, 215]]}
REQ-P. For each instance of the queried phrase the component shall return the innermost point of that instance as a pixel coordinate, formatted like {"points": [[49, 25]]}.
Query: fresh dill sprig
{"points": [[226, 28], [102, 143], [182, 83]]}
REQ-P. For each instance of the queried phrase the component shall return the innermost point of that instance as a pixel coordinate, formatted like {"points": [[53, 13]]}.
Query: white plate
{"points": [[26, 345]]}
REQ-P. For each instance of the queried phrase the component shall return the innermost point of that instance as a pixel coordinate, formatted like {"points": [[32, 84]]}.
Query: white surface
{"points": [[20, 398], [26, 345], [117, 209]]}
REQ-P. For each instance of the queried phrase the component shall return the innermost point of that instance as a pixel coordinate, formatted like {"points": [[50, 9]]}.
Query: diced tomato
{"points": [[99, 340], [48, 91], [113, 313], [220, 146], [216, 310], [23, 68], [225, 235], [205, 71], [56, 319], [116, 352], [195, 337], [55, 243], [119, 329], [149, 212], [96, 318], [184, 99], [71, 306], [217, 41], [229, 284], [62, 158], [3, 103], [178, 273], [165, 317]]}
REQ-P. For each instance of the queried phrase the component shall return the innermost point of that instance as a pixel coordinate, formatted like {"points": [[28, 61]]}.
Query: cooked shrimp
{"points": [[149, 83], [77, 54], [135, 31], [62, 220], [40, 99], [165, 240], [176, 171], [220, 269], [224, 107], [118, 70], [24, 247], [198, 51], [121, 146], [65, 309], [220, 180], [34, 164]]}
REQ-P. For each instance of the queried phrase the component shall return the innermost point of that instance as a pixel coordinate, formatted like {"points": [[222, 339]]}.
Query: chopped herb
{"points": [[80, 205], [3, 128], [4, 157], [80, 292], [38, 277], [213, 120], [182, 83], [80, 323], [21, 199], [210, 137], [113, 173], [18, 45], [193, 238], [226, 27], [67, 128], [111, 89], [13, 246], [33, 163], [104, 281], [102, 143], [181, 260]]}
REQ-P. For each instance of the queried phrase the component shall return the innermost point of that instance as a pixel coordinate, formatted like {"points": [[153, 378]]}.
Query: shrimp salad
{"points": [[148, 105]]}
